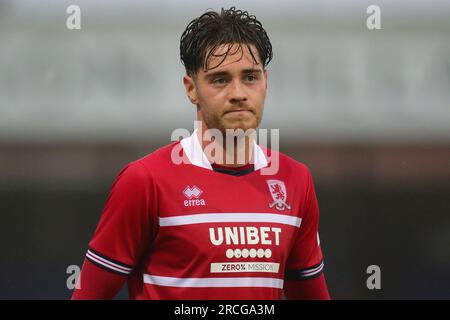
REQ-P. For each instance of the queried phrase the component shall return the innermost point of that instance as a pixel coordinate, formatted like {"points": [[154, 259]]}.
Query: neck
{"points": [[235, 152]]}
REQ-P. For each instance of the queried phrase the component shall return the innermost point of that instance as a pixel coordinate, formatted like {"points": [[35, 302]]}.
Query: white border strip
{"points": [[213, 282], [107, 263], [311, 272], [230, 217]]}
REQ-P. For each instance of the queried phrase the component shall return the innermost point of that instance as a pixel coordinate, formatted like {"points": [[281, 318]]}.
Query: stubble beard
{"points": [[218, 121]]}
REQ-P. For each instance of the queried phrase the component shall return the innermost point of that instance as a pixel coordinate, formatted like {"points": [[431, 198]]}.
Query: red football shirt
{"points": [[184, 231]]}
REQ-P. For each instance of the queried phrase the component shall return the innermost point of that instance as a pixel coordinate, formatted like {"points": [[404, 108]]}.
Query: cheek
{"points": [[260, 94], [262, 87], [212, 97]]}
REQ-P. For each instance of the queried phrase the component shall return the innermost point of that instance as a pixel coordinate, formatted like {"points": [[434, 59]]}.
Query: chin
{"points": [[241, 124]]}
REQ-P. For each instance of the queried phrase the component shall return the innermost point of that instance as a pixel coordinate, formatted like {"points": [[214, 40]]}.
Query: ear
{"points": [[191, 91], [265, 76]]}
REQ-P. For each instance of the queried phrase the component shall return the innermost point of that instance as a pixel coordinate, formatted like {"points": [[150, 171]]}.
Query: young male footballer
{"points": [[216, 225]]}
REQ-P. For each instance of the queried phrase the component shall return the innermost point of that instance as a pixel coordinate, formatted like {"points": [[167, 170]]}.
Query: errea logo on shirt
{"points": [[192, 194]]}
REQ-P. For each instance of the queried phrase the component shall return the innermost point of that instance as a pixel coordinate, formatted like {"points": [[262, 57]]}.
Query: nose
{"points": [[237, 92]]}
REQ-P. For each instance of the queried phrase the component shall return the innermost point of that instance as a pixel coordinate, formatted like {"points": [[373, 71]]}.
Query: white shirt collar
{"points": [[194, 152]]}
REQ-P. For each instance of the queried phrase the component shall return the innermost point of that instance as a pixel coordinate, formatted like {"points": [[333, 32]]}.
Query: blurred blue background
{"points": [[367, 110]]}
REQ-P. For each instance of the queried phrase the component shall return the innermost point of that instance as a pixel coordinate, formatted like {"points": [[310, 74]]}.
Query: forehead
{"points": [[232, 56]]}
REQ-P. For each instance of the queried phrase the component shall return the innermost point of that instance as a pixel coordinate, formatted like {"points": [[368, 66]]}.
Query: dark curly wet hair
{"points": [[211, 30]]}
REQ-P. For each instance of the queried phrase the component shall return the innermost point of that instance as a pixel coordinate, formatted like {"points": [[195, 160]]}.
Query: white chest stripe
{"points": [[214, 282], [229, 217]]}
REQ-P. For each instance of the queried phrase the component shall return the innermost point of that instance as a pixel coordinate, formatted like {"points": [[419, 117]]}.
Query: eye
{"points": [[250, 78], [219, 81]]}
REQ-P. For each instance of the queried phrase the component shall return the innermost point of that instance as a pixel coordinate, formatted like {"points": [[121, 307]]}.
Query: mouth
{"points": [[238, 111]]}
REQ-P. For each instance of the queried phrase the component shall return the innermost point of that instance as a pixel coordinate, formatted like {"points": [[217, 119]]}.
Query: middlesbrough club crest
{"points": [[278, 192]]}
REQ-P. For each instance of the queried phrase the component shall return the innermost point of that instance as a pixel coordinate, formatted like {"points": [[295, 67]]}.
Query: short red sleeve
{"points": [[127, 224], [306, 260]]}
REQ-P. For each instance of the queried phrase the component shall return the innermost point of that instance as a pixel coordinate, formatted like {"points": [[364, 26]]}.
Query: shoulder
{"points": [[287, 164], [157, 159], [143, 169]]}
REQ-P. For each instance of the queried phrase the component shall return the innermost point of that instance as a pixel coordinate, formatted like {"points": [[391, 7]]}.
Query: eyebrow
{"points": [[226, 73]]}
